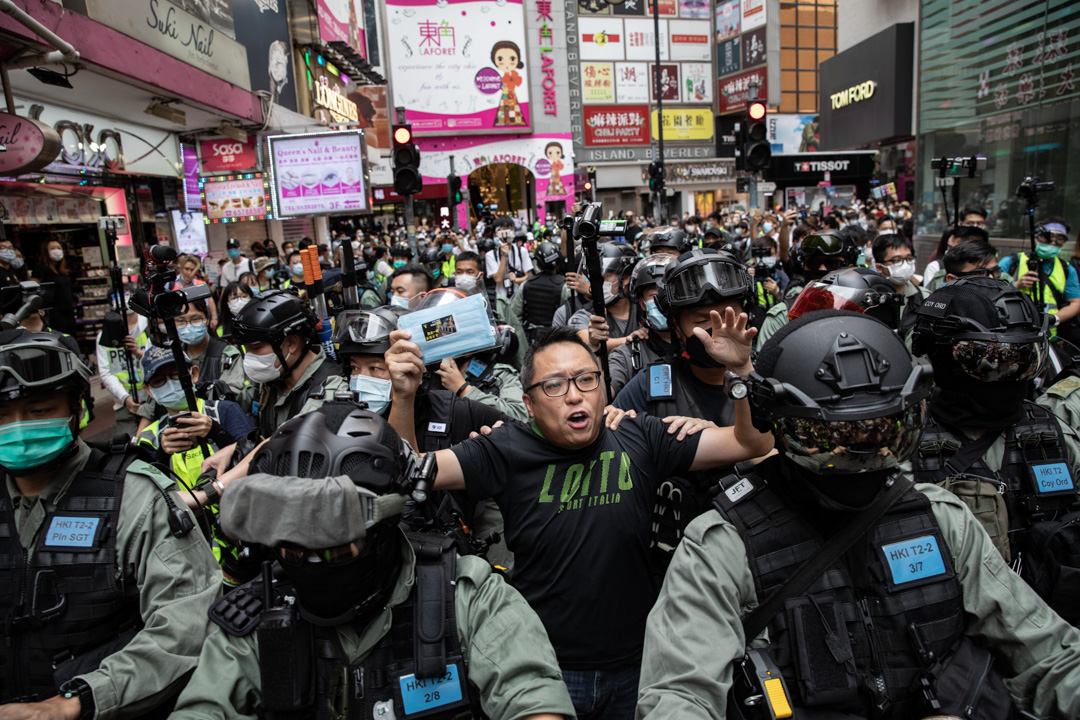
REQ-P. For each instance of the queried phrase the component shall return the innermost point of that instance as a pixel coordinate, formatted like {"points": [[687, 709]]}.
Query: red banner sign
{"points": [[734, 92], [607, 125], [227, 155]]}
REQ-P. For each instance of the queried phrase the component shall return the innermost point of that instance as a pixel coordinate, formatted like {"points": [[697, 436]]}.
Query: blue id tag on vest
{"points": [[1052, 478], [452, 329], [72, 532], [915, 559], [660, 387], [423, 697]]}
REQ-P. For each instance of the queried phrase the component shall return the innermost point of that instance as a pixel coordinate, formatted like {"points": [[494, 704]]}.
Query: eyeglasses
{"points": [[1055, 239], [559, 386], [994, 272], [160, 380], [296, 556], [896, 260], [184, 322]]}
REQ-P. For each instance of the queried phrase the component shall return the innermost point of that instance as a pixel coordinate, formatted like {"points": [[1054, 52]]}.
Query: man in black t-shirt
{"points": [[577, 496]]}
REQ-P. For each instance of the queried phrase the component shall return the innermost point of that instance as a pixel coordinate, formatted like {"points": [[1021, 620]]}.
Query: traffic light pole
{"points": [[450, 198], [660, 195]]}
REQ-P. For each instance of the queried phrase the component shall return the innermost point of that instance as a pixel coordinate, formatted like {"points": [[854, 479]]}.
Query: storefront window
{"points": [[998, 80]]}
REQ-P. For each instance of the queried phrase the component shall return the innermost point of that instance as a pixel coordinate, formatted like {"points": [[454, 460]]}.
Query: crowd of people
{"points": [[772, 471]]}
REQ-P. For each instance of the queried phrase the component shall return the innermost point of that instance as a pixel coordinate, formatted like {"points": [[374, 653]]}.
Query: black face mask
{"points": [[837, 493], [695, 349], [961, 401]]}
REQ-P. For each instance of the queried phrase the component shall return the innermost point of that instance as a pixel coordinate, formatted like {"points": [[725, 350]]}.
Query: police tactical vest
{"points": [[213, 361], [415, 670], [858, 646], [541, 295], [267, 415], [674, 395], [64, 610]]}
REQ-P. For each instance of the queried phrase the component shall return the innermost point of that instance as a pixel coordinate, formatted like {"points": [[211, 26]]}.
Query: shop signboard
{"points": [[319, 174], [459, 67], [28, 145], [616, 125], [669, 82], [729, 56], [598, 82], [728, 20], [342, 21], [753, 47], [227, 155], [685, 124], [641, 39], [690, 40], [734, 92], [235, 198], [697, 86], [189, 229], [631, 82], [753, 14]]}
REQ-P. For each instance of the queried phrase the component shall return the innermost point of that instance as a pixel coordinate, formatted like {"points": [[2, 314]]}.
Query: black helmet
{"points": [[273, 316], [840, 393], [432, 259], [364, 332], [401, 250], [991, 330], [703, 277], [668, 236], [856, 289], [650, 271], [34, 362], [339, 438], [616, 257], [548, 257], [833, 249], [485, 245]]}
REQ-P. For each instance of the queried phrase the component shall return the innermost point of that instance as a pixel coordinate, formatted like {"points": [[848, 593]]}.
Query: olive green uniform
{"points": [[509, 657], [175, 579], [1063, 400], [694, 634], [332, 384], [508, 398]]}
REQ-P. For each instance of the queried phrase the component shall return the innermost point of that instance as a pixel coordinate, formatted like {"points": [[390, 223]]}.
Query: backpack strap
{"points": [[434, 620]]}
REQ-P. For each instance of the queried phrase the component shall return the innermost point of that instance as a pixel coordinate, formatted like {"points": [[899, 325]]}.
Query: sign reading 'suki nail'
{"points": [[28, 145]]}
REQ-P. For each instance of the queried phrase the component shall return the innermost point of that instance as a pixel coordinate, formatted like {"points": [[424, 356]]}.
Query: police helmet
{"points": [[703, 277], [401, 250], [548, 257], [840, 393], [364, 332], [855, 289], [831, 248], [35, 362], [271, 317], [985, 327], [649, 271], [616, 257], [669, 237], [432, 259]]}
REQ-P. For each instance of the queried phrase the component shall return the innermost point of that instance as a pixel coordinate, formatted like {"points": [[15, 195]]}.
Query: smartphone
{"points": [[174, 420]]}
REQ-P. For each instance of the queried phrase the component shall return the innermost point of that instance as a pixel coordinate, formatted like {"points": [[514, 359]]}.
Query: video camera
{"points": [[1030, 188], [158, 301], [959, 167], [589, 224], [18, 302]]}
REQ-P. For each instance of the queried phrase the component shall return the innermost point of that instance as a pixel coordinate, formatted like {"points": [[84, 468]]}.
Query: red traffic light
{"points": [[588, 185], [403, 135], [756, 110]]}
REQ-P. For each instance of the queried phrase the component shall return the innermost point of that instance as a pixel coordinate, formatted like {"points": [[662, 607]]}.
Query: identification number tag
{"points": [[915, 559], [476, 368], [660, 381], [738, 491], [72, 532], [1052, 478], [437, 428], [421, 696]]}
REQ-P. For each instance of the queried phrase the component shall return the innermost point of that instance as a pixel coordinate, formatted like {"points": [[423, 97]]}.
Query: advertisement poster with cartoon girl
{"points": [[506, 57], [554, 153]]}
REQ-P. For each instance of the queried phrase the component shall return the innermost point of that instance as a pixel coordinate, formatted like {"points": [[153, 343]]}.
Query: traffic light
{"points": [[756, 151], [581, 177], [656, 177], [406, 156], [453, 189], [590, 179]]}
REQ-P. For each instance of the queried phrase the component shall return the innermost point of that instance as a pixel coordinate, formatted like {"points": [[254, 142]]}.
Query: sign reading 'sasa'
{"points": [[27, 145]]}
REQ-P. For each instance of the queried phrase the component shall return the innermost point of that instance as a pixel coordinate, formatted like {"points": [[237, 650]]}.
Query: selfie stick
{"points": [[588, 228], [116, 279], [349, 295]]}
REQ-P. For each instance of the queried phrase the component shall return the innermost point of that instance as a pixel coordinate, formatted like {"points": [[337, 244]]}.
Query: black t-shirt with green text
{"points": [[578, 523]]}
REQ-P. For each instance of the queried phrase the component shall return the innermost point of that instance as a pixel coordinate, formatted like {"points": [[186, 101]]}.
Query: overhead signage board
{"points": [[319, 174]]}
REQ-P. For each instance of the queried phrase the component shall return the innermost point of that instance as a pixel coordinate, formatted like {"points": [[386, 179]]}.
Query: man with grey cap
{"points": [[367, 621]]}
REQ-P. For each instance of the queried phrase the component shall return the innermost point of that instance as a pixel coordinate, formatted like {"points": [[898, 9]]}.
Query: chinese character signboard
{"points": [[753, 47], [669, 82], [617, 125], [729, 57], [728, 20], [234, 198], [632, 82], [459, 67], [734, 91], [318, 174], [684, 124], [597, 82], [753, 14]]}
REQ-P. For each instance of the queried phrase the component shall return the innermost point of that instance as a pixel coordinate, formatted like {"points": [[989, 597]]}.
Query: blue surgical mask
{"points": [[17, 263], [234, 253], [398, 263], [192, 334], [170, 395], [451, 330], [30, 444], [657, 320], [768, 262], [447, 248], [399, 301], [298, 269], [371, 390], [1047, 251], [766, 227]]}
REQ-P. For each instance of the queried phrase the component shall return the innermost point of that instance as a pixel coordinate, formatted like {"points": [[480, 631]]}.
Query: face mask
{"points": [[328, 593], [466, 283], [901, 272], [657, 320], [864, 224], [398, 263], [33, 443], [192, 334], [698, 356], [7, 256], [355, 245], [237, 304], [298, 269], [399, 301], [766, 227], [768, 262], [446, 248], [170, 395], [738, 232], [234, 253], [371, 390], [56, 255], [612, 292], [17, 263], [261, 368], [1046, 251]]}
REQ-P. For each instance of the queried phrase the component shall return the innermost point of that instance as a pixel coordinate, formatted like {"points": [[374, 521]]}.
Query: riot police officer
{"points": [[1012, 460], [542, 294], [369, 621], [104, 587], [629, 359], [879, 598], [667, 240]]}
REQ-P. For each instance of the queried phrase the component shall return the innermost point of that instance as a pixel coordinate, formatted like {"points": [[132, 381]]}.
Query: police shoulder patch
{"points": [[1064, 388]]}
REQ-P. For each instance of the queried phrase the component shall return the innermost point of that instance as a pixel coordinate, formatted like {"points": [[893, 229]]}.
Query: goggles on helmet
{"points": [[989, 361], [852, 446], [716, 278], [34, 366], [822, 245]]}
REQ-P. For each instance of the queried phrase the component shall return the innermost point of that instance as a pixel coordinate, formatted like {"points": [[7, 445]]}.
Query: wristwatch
{"points": [[212, 489], [81, 689]]}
